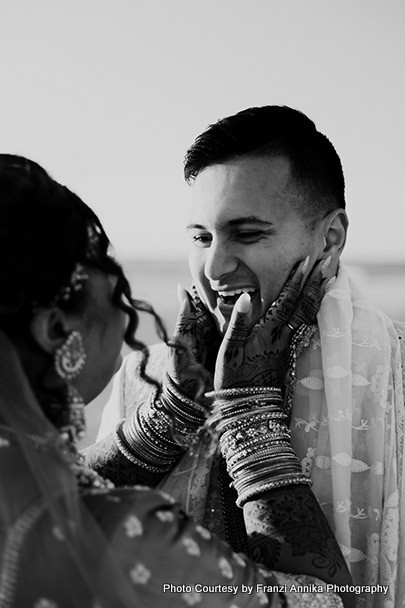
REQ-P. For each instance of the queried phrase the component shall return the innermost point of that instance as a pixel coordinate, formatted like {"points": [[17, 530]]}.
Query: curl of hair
{"points": [[122, 296], [45, 230]]}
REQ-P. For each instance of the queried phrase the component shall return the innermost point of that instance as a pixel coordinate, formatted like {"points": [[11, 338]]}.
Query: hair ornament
{"points": [[93, 236], [79, 276], [77, 279]]}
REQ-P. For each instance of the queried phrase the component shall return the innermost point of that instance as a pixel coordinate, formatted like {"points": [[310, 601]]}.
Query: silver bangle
{"points": [[243, 391]]}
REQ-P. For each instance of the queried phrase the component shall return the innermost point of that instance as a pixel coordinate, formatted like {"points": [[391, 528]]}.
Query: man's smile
{"points": [[229, 296], [223, 300]]}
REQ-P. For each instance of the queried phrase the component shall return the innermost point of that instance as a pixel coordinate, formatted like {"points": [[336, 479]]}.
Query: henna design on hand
{"points": [[260, 355], [205, 331], [194, 330], [309, 301], [261, 369]]}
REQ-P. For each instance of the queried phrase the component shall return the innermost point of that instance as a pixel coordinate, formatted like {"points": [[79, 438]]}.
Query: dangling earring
{"points": [[69, 362]]}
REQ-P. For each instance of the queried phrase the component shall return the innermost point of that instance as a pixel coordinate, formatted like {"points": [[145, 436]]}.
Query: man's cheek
{"points": [[203, 292], [195, 268], [271, 293]]}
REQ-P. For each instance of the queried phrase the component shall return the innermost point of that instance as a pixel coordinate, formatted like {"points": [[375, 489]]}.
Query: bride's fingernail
{"points": [[305, 265], [330, 282], [243, 303], [326, 263]]}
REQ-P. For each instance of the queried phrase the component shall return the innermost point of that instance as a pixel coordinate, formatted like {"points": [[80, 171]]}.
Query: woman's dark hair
{"points": [[45, 232]]}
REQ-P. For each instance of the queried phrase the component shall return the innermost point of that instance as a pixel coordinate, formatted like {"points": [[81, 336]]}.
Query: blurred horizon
{"points": [[383, 283]]}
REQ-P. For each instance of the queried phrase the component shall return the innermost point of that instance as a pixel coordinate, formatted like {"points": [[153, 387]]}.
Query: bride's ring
{"points": [[291, 327]]}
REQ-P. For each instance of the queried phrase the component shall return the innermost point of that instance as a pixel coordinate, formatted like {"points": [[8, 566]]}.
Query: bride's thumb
{"points": [[241, 316]]}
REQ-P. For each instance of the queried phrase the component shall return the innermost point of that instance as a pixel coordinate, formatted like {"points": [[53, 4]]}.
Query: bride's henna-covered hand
{"points": [[195, 331], [259, 356]]}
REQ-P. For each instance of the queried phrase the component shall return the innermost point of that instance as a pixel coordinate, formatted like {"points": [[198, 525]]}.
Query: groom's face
{"points": [[245, 234]]}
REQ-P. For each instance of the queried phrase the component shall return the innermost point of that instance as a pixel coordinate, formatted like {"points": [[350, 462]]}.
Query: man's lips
{"points": [[230, 296], [225, 303]]}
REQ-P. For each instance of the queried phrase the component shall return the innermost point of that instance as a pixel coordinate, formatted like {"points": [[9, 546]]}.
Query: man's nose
{"points": [[220, 261]]}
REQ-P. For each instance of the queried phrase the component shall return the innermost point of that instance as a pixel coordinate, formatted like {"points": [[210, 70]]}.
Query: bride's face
{"points": [[102, 328]]}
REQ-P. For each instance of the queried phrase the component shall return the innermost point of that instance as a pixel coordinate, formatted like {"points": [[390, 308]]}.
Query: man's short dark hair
{"points": [[317, 176]]}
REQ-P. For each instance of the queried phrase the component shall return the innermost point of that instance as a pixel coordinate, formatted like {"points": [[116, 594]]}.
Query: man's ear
{"points": [[50, 328], [335, 226]]}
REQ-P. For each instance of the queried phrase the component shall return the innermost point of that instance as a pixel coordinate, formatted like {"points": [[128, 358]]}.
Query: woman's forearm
{"points": [[287, 531], [108, 461]]}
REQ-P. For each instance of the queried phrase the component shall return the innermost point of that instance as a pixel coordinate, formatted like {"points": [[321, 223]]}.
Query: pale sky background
{"points": [[108, 95]]}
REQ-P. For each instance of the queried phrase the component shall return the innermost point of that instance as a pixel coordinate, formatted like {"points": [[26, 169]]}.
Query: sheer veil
{"points": [[37, 486]]}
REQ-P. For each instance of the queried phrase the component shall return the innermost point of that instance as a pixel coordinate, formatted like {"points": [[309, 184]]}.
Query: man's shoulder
{"points": [[399, 327]]}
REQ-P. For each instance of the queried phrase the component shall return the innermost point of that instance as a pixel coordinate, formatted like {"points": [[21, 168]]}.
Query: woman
{"points": [[68, 537]]}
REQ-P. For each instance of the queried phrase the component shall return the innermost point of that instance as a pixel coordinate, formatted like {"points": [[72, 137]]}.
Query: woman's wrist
{"points": [[156, 435], [254, 438]]}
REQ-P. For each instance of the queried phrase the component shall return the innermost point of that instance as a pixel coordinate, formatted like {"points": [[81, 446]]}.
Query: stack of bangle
{"points": [[161, 429], [254, 438]]}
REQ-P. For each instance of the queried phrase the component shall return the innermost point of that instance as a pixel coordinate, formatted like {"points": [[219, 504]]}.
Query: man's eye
{"points": [[202, 240], [250, 236]]}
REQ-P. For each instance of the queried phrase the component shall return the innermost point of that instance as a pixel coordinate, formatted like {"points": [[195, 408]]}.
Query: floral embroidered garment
{"points": [[110, 548], [347, 428]]}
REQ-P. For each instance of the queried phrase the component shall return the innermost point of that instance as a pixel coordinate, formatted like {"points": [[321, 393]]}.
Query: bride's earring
{"points": [[69, 362]]}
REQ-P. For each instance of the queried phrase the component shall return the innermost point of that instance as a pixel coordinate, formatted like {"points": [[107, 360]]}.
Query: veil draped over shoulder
{"points": [[50, 544]]}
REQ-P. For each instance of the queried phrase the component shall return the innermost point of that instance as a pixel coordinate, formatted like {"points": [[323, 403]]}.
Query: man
{"points": [[268, 192]]}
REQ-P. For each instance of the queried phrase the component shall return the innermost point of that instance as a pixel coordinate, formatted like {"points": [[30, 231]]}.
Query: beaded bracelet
{"points": [[243, 391], [231, 402]]}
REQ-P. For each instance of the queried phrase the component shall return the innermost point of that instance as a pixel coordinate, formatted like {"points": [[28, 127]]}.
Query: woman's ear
{"points": [[335, 226], [50, 328]]}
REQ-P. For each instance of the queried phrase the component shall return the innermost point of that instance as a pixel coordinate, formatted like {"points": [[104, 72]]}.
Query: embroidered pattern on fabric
{"points": [[139, 574], [351, 397], [303, 597], [11, 553]]}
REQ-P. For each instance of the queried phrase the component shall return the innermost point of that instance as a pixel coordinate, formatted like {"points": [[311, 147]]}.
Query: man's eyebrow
{"points": [[249, 219], [195, 227]]}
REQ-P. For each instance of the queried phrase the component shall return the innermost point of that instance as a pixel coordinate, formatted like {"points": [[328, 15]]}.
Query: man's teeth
{"points": [[230, 297]]}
